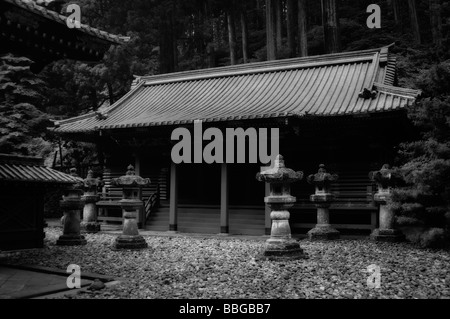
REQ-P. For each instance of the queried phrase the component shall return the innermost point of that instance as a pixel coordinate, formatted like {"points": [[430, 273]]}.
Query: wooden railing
{"points": [[151, 203]]}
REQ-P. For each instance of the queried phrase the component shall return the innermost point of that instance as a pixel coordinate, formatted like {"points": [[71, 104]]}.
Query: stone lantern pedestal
{"points": [[131, 204], [322, 199], [280, 245], [72, 204], [90, 198], [386, 230]]}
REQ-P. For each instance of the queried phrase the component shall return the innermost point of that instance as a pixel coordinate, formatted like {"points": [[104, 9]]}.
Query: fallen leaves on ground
{"points": [[193, 267]]}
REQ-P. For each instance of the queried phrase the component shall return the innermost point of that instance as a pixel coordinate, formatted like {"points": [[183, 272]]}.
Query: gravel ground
{"points": [[186, 267]]}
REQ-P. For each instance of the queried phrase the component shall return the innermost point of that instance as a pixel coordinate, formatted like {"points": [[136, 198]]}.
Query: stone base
{"points": [[323, 233], [387, 235], [223, 234], [130, 242], [90, 227], [70, 240], [280, 249]]}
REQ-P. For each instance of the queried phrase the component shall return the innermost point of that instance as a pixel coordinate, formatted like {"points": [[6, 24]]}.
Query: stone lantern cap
{"points": [[72, 195], [130, 179], [279, 174], [384, 178], [322, 179], [77, 186], [91, 183]]}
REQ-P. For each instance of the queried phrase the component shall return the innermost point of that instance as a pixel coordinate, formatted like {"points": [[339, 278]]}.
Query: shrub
{"points": [[434, 238]]}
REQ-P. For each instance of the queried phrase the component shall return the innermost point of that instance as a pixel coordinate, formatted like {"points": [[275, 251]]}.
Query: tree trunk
{"points": [[231, 36], [211, 56], [110, 93], [330, 23], [395, 11], [302, 25], [291, 26], [259, 16], [436, 21], [270, 31], [60, 155], [173, 43], [244, 36], [94, 99], [279, 24], [413, 20], [166, 45]]}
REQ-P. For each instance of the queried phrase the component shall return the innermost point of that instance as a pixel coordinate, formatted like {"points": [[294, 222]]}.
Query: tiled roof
{"points": [[32, 7], [28, 169], [326, 85]]}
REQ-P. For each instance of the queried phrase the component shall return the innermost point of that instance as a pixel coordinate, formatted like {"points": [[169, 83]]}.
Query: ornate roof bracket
{"points": [[368, 94]]}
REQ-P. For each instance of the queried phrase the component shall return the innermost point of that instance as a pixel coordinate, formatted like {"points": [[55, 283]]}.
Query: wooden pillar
{"points": [[373, 220], [173, 214], [268, 220], [137, 171], [137, 164], [224, 213], [267, 210]]}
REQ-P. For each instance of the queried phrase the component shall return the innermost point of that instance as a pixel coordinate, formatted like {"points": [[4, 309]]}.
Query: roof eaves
{"points": [[52, 15], [74, 119], [407, 93], [89, 115], [123, 98], [209, 119]]}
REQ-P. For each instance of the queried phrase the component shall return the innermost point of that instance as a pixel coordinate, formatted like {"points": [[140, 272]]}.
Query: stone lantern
{"points": [[280, 244], [131, 204], [385, 180], [72, 203], [90, 197], [322, 199]]}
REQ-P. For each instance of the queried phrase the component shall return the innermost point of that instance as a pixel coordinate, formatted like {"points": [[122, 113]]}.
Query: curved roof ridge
{"points": [[263, 66], [409, 93], [105, 112]]}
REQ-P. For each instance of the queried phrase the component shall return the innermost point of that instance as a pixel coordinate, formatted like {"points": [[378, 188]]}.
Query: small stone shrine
{"points": [[24, 182], [280, 244], [130, 203], [384, 178], [322, 199]]}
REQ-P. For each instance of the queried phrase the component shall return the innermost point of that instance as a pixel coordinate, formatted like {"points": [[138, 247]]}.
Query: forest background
{"points": [[168, 36]]}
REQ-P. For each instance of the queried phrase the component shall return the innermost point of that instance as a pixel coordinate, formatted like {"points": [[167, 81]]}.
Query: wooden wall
{"points": [[21, 217]]}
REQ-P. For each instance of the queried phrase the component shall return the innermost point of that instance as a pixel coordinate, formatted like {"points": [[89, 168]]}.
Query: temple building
{"points": [[342, 110], [42, 35]]}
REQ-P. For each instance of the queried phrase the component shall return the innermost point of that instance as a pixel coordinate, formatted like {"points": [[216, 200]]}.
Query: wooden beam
{"points": [[268, 220], [374, 220], [224, 213], [137, 163], [173, 211]]}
